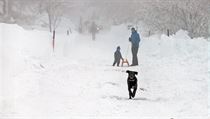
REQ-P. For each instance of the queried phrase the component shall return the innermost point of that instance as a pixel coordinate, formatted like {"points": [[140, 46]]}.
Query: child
{"points": [[117, 56]]}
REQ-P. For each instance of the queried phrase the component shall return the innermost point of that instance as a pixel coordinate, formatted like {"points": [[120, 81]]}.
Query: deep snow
{"points": [[78, 81], [208, 75]]}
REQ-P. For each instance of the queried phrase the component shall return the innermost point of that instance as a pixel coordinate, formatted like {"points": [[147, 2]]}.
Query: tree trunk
{"points": [[50, 22]]}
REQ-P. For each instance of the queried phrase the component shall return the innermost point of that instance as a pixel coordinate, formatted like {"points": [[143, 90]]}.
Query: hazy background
{"points": [[35, 76], [152, 15]]}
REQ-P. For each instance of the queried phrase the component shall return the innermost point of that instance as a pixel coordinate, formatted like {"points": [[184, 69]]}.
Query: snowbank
{"points": [[18, 44], [78, 81]]}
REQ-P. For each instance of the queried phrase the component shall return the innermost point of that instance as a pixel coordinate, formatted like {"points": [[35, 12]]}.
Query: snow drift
{"points": [[78, 81]]}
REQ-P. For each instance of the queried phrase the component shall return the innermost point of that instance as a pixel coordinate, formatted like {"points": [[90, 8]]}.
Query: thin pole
{"points": [[53, 43]]}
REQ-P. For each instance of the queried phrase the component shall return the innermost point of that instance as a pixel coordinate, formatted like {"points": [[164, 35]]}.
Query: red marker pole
{"points": [[53, 43]]}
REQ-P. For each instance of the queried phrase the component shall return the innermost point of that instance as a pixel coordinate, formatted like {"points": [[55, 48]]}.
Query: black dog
{"points": [[132, 83]]}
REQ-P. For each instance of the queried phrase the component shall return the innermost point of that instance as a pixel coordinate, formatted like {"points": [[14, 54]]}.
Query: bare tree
{"points": [[6, 7], [54, 11], [190, 15], [18, 11], [158, 15], [193, 16], [2, 7]]}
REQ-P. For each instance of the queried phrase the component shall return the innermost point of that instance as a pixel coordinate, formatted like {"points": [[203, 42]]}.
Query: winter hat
{"points": [[132, 29], [118, 47]]}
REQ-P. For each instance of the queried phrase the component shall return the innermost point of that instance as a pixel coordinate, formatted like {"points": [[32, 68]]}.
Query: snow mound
{"points": [[181, 34], [78, 81]]}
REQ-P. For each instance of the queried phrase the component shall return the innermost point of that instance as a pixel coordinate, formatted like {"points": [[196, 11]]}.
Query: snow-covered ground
{"points": [[78, 81], [209, 75]]}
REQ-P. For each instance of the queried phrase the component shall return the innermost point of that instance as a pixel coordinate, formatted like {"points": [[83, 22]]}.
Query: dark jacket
{"points": [[135, 39], [117, 55], [93, 28]]}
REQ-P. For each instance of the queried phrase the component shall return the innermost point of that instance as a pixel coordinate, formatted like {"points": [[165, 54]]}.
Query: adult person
{"points": [[134, 39], [93, 30]]}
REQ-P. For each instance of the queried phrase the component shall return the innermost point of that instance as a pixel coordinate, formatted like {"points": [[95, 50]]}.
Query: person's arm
{"points": [[132, 38], [121, 57], [139, 39]]}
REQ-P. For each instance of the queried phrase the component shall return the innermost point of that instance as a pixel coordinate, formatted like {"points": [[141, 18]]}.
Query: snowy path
{"points": [[71, 89], [172, 74]]}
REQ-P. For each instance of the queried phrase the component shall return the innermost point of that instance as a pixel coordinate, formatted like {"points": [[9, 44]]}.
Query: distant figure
{"points": [[70, 30], [93, 30], [134, 39], [117, 56], [67, 32]]}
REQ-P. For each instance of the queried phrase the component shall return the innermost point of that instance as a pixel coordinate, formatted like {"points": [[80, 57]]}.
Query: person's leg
{"points": [[135, 58], [118, 63], [93, 36], [114, 62], [133, 53]]}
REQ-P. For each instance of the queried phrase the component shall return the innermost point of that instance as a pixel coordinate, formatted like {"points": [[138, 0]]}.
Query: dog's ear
{"points": [[128, 71], [136, 73]]}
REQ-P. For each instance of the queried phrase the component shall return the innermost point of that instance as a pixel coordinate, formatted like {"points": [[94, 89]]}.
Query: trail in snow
{"points": [[79, 81]]}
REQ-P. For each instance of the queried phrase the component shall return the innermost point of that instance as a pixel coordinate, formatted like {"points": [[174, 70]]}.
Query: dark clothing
{"points": [[93, 30], [116, 61], [134, 54], [134, 39], [93, 36], [117, 57]]}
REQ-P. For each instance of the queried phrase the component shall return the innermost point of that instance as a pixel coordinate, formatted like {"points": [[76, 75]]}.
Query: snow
{"points": [[209, 73], [78, 81]]}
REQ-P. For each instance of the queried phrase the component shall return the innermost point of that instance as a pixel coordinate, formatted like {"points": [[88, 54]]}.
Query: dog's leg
{"points": [[130, 92], [134, 91], [129, 89]]}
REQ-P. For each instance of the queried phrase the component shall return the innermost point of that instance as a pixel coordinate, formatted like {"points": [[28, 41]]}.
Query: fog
{"points": [[155, 15]]}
